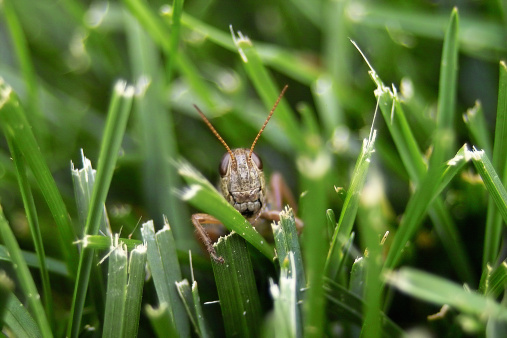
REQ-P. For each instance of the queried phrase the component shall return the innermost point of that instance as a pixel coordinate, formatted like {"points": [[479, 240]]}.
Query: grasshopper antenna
{"points": [[213, 130], [267, 120]]}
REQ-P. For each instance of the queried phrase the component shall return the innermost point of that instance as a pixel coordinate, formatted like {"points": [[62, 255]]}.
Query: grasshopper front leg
{"points": [[198, 220]]}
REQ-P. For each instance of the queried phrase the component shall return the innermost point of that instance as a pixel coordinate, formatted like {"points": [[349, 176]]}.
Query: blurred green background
{"points": [[63, 58]]}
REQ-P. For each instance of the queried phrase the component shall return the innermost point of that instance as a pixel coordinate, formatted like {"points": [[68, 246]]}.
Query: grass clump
{"points": [[403, 209]]}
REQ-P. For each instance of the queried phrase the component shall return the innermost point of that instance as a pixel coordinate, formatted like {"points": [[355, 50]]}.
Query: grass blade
{"points": [[164, 266], [440, 291], [288, 294], [118, 114], [350, 206], [18, 319], [314, 170], [16, 127], [161, 321], [237, 292], [53, 265], [491, 181], [494, 219], [287, 317], [115, 297], [134, 294], [33, 222], [24, 277], [477, 127]]}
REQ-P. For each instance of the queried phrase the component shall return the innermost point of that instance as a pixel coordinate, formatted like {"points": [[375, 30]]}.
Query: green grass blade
{"points": [[371, 222], [446, 109], [314, 170], [117, 117], [53, 265], [413, 160], [440, 291], [202, 195], [477, 126], [134, 294], [292, 281], [186, 296], [491, 181], [161, 321], [115, 297], [494, 281], [16, 127], [18, 319], [287, 317], [350, 206], [24, 277], [494, 226], [164, 266], [83, 181], [33, 222], [237, 292]]}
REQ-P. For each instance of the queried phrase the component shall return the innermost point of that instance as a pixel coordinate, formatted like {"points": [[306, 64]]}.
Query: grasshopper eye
{"points": [[224, 164], [257, 160]]}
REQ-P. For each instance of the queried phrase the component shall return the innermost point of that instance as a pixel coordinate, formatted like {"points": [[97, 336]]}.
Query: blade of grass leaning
{"points": [[491, 180], [15, 125], [156, 130], [53, 265], [33, 223], [346, 307], [115, 296], [349, 210], [203, 196], [134, 294], [117, 117], [267, 89], [292, 277], [239, 300], [437, 290], [18, 319], [24, 277], [165, 269], [314, 170], [477, 126], [414, 162], [492, 236]]}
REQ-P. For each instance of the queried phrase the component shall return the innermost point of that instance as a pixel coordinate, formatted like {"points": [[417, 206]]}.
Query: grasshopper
{"points": [[242, 183]]}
